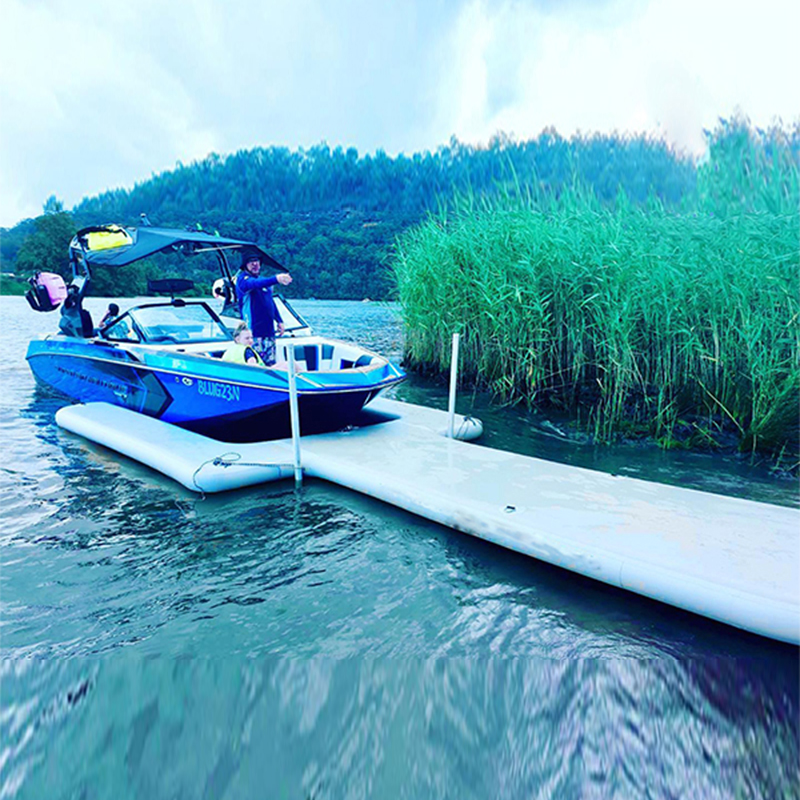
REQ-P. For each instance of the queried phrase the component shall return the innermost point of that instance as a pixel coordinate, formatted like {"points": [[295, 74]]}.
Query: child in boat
{"points": [[242, 350], [110, 315]]}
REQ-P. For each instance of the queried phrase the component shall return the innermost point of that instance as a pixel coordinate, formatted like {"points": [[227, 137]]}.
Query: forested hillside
{"points": [[332, 216]]}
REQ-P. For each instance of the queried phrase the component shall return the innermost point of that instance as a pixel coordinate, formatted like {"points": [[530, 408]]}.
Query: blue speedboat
{"points": [[164, 358]]}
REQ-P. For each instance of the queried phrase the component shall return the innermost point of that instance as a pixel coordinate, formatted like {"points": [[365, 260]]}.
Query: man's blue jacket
{"points": [[256, 304]]}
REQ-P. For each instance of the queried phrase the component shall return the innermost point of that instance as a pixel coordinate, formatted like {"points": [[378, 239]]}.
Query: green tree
{"points": [[53, 205], [47, 248], [127, 281], [750, 170]]}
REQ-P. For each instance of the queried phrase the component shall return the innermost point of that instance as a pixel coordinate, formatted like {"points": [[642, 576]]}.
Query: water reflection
{"points": [[322, 571], [415, 728]]}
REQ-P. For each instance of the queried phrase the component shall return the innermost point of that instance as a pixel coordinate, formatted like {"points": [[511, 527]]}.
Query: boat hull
{"points": [[318, 414], [224, 401]]}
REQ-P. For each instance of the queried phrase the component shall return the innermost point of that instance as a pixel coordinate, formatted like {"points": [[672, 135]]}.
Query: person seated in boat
{"points": [[109, 316], [242, 351], [257, 306]]}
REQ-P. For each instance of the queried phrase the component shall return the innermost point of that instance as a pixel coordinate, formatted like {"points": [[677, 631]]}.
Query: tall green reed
{"points": [[631, 317]]}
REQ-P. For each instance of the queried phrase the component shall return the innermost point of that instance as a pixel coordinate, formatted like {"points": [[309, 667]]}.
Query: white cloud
{"points": [[666, 66], [95, 95], [84, 109]]}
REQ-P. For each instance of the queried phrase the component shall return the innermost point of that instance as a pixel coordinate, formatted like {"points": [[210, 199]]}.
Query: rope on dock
{"points": [[233, 459]]}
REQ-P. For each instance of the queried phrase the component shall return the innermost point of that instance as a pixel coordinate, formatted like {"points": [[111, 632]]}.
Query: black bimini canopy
{"points": [[115, 246]]}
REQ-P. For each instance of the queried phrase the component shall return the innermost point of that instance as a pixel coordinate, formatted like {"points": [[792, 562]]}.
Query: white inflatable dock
{"points": [[735, 561]]}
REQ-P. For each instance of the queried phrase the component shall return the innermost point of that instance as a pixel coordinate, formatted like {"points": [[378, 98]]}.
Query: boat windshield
{"points": [[191, 323]]}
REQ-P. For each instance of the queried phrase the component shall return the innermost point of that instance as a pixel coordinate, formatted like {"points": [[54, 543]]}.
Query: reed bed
{"points": [[684, 326]]}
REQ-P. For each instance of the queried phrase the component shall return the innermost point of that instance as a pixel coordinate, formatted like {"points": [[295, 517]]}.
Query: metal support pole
{"points": [[294, 415], [451, 407]]}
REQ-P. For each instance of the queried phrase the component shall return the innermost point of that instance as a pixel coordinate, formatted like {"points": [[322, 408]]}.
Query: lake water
{"points": [[318, 644]]}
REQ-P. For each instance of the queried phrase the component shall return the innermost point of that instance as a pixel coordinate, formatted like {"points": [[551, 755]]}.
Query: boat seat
{"points": [[309, 354], [326, 362], [87, 326], [77, 322]]}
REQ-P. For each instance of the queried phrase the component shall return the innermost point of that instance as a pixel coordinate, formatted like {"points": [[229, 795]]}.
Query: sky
{"points": [[96, 96]]}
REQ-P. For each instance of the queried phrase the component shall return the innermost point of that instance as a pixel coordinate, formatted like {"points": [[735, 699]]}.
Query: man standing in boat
{"points": [[257, 306]]}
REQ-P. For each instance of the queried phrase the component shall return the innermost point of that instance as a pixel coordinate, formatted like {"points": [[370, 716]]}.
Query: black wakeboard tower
{"points": [[117, 246]]}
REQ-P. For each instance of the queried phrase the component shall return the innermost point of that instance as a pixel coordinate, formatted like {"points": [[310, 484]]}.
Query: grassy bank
{"points": [[13, 286], [684, 326]]}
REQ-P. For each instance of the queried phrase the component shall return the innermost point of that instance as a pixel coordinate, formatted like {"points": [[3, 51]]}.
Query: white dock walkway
{"points": [[732, 560]]}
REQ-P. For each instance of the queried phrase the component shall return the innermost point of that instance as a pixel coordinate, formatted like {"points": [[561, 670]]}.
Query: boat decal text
{"points": [[225, 391], [115, 387]]}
